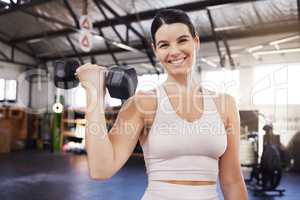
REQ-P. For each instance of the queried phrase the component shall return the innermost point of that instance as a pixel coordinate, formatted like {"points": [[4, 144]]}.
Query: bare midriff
{"points": [[181, 182]]}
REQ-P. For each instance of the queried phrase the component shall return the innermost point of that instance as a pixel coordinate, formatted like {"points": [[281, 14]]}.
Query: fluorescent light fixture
{"points": [[209, 62], [98, 37], [255, 48], [124, 46], [34, 40], [277, 46], [225, 28], [6, 1], [276, 51], [285, 40]]}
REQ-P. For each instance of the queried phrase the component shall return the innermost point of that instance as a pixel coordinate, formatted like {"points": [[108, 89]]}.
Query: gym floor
{"points": [[43, 176]]}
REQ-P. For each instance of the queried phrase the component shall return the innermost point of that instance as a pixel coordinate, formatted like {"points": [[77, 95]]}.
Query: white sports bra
{"points": [[176, 149]]}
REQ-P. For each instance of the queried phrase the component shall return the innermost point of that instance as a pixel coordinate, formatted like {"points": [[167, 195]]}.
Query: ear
{"points": [[153, 48], [197, 41]]}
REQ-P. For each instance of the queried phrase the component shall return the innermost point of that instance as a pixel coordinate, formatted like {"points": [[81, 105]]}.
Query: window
{"points": [[8, 90], [2, 89], [223, 80], [276, 84], [11, 90]]}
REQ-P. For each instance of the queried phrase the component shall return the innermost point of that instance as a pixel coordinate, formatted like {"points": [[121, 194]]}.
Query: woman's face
{"points": [[176, 48]]}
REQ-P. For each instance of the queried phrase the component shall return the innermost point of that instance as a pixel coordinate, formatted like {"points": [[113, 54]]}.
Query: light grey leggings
{"points": [[157, 190]]}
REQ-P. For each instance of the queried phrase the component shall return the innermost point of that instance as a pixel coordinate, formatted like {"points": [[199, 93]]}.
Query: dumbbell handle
{"points": [[105, 70]]}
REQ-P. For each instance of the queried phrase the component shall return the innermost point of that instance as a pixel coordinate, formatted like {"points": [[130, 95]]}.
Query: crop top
{"points": [[176, 149]]}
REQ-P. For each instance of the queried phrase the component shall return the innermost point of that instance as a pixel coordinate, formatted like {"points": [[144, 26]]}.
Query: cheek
{"points": [[161, 54]]}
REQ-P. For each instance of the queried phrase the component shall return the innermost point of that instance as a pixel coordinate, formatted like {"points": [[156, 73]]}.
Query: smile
{"points": [[177, 61]]}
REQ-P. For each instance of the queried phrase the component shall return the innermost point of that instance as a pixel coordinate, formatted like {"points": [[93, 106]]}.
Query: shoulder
{"points": [[224, 99], [143, 102], [226, 103]]}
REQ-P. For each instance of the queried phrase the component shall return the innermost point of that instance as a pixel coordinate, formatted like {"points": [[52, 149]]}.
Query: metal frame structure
{"points": [[139, 35], [127, 20], [32, 3], [216, 38], [109, 48], [72, 13]]}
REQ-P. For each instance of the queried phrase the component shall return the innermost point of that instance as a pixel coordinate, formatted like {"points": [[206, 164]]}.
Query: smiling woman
{"points": [[175, 42], [191, 120], [188, 139]]}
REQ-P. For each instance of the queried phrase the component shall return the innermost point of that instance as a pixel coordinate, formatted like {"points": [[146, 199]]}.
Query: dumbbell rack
{"points": [[74, 127]]}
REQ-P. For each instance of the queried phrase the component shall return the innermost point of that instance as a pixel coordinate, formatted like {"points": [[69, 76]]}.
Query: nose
{"points": [[174, 51]]}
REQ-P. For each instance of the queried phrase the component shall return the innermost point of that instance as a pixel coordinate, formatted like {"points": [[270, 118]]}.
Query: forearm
{"points": [[235, 191], [99, 148]]}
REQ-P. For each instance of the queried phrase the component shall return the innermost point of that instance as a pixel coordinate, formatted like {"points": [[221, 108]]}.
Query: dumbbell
{"points": [[121, 81]]}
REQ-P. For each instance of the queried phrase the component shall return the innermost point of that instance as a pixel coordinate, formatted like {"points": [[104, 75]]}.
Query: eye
{"points": [[183, 40], [163, 45]]}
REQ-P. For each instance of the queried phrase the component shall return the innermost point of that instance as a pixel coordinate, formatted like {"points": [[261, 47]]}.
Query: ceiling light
{"points": [[285, 40], [255, 48], [34, 40], [209, 62], [126, 47], [277, 51], [225, 28]]}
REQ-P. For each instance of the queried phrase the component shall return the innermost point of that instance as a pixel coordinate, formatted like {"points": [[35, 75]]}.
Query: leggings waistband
{"points": [[165, 185], [179, 191]]}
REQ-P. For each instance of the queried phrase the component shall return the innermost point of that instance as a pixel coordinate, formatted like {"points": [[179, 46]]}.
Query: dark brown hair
{"points": [[170, 16]]}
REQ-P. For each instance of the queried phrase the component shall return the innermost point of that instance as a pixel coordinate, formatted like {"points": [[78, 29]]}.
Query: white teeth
{"points": [[177, 61]]}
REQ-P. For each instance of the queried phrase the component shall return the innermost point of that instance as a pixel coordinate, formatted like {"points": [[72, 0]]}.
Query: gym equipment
{"points": [[271, 167], [121, 81], [247, 152], [268, 172], [56, 136]]}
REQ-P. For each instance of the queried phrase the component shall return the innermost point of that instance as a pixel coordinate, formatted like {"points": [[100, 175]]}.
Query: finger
{"points": [[90, 67]]}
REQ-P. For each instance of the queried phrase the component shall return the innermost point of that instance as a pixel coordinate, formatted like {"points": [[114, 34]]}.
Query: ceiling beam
{"points": [[257, 32], [49, 19], [18, 63], [149, 14], [72, 13], [144, 15], [298, 8], [46, 34], [32, 3], [91, 53], [216, 38], [18, 48]]}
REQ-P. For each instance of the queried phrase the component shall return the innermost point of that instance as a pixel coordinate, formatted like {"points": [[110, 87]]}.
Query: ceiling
{"points": [[236, 32]]}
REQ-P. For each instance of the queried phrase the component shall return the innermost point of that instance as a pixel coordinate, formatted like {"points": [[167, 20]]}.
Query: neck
{"points": [[181, 83]]}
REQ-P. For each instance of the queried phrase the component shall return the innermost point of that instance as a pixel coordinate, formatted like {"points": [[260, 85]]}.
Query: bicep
{"points": [[125, 133], [229, 163]]}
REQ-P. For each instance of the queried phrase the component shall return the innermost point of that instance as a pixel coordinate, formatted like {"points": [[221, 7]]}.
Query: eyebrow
{"points": [[180, 37], [161, 41], [183, 36]]}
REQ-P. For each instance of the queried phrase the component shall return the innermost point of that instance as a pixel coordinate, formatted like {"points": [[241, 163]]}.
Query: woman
{"points": [[180, 125]]}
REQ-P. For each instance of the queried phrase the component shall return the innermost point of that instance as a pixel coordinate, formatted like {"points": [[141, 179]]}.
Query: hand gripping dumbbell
{"points": [[121, 81]]}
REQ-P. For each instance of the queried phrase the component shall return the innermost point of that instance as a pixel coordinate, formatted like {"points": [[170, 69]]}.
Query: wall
{"points": [[15, 71], [272, 90], [11, 71]]}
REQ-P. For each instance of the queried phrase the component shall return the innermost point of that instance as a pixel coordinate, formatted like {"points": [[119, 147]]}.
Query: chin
{"points": [[178, 70]]}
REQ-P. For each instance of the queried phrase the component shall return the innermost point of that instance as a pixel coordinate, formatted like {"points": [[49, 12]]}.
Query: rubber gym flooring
{"points": [[45, 176]]}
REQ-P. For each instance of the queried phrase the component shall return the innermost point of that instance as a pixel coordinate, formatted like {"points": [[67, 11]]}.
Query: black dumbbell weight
{"points": [[121, 81]]}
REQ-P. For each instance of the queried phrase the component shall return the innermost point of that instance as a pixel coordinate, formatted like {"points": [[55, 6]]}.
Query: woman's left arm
{"points": [[231, 178]]}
